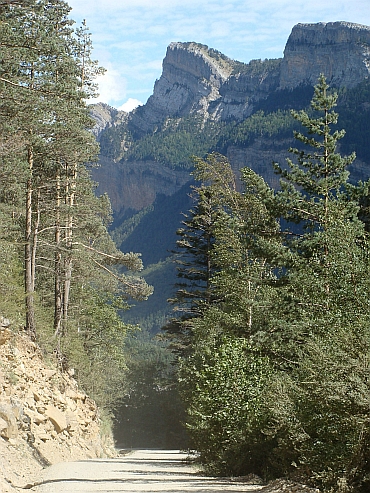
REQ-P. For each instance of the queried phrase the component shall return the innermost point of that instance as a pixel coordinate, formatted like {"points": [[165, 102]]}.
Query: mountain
{"points": [[205, 101]]}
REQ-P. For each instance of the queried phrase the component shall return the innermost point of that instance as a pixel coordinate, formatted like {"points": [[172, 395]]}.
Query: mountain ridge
{"points": [[199, 79], [200, 82], [205, 101]]}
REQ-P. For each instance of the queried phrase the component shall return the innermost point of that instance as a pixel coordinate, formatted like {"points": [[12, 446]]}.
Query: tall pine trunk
{"points": [[29, 254], [57, 263], [70, 201]]}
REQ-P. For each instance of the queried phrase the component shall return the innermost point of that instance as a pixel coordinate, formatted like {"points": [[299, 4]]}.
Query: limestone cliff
{"points": [[105, 116], [135, 185], [339, 50], [197, 79]]}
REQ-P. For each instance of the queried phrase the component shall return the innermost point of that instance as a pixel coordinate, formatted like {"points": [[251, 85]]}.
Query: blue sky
{"points": [[130, 37]]}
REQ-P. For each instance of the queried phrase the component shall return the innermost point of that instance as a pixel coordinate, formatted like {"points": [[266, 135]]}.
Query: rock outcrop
{"points": [[135, 185], [339, 50], [196, 79], [199, 80], [105, 116], [44, 417]]}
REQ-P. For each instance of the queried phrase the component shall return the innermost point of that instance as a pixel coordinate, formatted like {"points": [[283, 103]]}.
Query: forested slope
{"points": [[255, 142], [62, 279]]}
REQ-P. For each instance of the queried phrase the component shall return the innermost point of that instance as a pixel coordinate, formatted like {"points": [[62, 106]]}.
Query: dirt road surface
{"points": [[141, 471]]}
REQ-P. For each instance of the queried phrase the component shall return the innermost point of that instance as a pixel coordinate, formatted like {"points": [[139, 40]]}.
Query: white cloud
{"points": [[130, 105], [112, 87], [131, 36]]}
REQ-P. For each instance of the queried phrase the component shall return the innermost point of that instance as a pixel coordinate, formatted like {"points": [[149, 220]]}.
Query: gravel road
{"points": [[140, 471]]}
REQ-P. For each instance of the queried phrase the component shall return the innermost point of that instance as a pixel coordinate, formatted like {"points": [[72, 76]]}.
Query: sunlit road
{"points": [[141, 471]]}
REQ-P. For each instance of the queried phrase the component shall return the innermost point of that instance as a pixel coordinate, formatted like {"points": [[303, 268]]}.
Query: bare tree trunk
{"points": [[57, 263], [68, 262], [29, 271]]}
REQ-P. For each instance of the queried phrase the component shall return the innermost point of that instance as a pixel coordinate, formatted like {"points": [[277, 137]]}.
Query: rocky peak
{"points": [[191, 78], [105, 116], [199, 80], [339, 50], [199, 61]]}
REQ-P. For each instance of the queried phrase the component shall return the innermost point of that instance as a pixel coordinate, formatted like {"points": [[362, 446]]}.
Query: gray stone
{"points": [[339, 50], [4, 322]]}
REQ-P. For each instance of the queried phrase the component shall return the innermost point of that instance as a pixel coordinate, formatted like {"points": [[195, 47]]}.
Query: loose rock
{"points": [[44, 422]]}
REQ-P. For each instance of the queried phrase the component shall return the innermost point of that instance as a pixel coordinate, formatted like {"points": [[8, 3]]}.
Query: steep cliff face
{"points": [[196, 79], [339, 50], [135, 185], [105, 116]]}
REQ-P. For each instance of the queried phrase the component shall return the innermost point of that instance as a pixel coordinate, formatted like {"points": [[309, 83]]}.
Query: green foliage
{"points": [[124, 230], [224, 386], [354, 112], [94, 346], [177, 142], [257, 126], [113, 141], [332, 406], [281, 356], [55, 250], [256, 68]]}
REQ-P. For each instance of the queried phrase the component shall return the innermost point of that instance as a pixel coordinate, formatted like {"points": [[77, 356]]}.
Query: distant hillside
{"points": [[205, 102]]}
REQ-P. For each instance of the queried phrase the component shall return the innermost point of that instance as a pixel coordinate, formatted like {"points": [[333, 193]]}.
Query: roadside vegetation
{"points": [[273, 339], [62, 277], [270, 335]]}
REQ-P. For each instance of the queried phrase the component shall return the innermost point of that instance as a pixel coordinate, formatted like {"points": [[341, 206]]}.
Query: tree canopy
{"points": [[280, 353], [56, 253]]}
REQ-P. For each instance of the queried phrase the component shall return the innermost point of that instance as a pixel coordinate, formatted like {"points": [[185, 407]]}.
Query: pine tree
{"points": [[224, 376], [244, 235], [75, 278], [316, 201], [195, 268], [319, 332], [293, 303]]}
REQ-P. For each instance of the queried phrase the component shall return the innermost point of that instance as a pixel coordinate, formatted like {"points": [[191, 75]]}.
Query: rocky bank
{"points": [[44, 417]]}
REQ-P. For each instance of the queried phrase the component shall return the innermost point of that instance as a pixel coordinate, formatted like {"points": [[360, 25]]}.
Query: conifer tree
{"points": [[195, 268], [319, 332], [45, 78], [293, 304], [316, 200], [244, 235], [223, 377]]}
